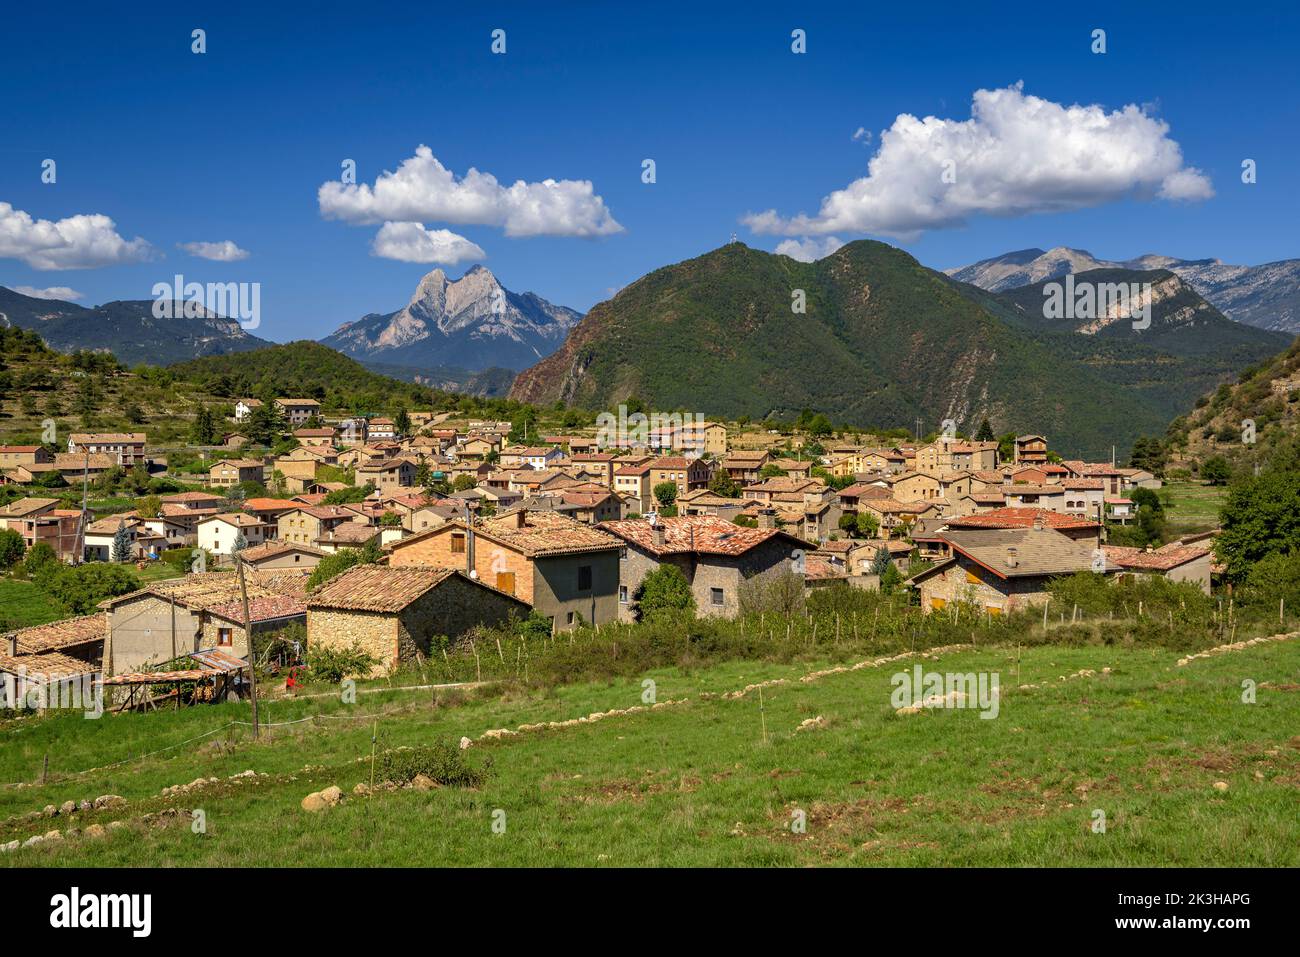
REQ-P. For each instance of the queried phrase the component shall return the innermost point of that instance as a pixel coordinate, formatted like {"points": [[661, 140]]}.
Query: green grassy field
{"points": [[23, 604], [714, 781], [1193, 506]]}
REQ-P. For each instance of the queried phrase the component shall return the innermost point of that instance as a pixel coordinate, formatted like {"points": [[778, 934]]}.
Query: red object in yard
{"points": [[292, 682]]}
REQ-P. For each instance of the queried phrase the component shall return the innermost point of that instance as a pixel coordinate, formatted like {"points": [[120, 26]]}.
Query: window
{"points": [[622, 594], [584, 578], [223, 636], [622, 554], [570, 618], [715, 596], [457, 543]]}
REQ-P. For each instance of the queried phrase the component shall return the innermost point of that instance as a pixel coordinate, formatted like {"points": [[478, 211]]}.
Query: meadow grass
{"points": [[700, 783], [1193, 506], [22, 605]]}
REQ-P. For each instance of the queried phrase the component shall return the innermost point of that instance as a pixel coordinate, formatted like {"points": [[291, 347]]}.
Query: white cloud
{"points": [[1016, 155], [808, 250], [222, 252], [77, 242], [51, 292], [862, 135], [423, 190], [412, 243]]}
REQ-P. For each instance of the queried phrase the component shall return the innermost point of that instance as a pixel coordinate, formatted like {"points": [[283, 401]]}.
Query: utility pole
{"points": [[248, 639], [81, 520]]}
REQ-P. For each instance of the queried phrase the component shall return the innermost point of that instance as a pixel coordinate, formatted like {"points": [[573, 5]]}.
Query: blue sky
{"points": [[234, 144]]}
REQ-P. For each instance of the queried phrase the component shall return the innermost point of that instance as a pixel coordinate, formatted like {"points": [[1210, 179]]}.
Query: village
{"points": [[462, 528]]}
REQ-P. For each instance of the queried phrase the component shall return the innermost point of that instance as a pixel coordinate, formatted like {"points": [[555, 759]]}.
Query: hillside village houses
{"points": [[568, 526]]}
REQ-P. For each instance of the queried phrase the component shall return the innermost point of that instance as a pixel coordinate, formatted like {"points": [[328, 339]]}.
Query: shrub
{"points": [[38, 556], [81, 588], [442, 762], [341, 561], [335, 664], [664, 590], [12, 547]]}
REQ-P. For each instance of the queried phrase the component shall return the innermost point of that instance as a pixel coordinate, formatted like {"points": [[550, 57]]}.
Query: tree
{"points": [[239, 544], [723, 484], [664, 591], [402, 421], [12, 547], [1261, 517], [771, 470], [666, 494], [1215, 470], [204, 429], [882, 562], [149, 507], [345, 558], [985, 433], [1148, 453], [463, 483], [122, 543], [867, 525], [38, 556], [81, 588]]}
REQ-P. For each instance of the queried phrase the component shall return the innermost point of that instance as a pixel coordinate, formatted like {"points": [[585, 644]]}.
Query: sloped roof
{"points": [[51, 664], [274, 548], [700, 534], [384, 589], [1161, 559], [1038, 551], [59, 634], [544, 534], [1012, 517]]}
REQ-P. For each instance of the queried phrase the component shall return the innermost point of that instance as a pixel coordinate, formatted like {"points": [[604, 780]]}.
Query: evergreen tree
{"points": [[122, 543], [985, 433]]}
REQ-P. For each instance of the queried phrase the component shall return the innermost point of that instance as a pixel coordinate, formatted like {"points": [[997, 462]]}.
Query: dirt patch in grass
{"points": [[634, 790]]}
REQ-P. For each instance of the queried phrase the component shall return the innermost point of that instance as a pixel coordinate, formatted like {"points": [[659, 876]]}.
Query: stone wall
{"points": [[375, 632]]}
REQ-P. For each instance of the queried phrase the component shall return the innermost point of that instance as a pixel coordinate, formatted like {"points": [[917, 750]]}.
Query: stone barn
{"points": [[393, 613]]}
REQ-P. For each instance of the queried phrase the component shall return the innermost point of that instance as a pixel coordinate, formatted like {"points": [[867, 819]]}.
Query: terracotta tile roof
{"points": [[544, 534], [269, 505], [26, 506], [378, 587], [110, 524], [19, 448], [238, 519], [190, 497], [864, 490], [213, 589], [52, 664], [350, 533], [1020, 518], [107, 438], [627, 470], [314, 498], [260, 609], [80, 460], [272, 549], [1161, 559], [699, 534], [1084, 485], [1037, 551], [59, 634], [672, 462]]}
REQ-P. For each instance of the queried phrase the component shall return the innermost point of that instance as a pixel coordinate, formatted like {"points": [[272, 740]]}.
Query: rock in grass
{"points": [[1220, 785], [314, 802], [94, 830], [332, 795]]}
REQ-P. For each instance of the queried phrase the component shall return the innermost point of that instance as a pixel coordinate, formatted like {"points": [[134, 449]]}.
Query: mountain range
{"points": [[1266, 296], [884, 340], [473, 323], [126, 328]]}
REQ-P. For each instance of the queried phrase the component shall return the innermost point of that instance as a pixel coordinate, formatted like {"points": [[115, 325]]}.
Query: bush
{"points": [[442, 762], [81, 588], [38, 556], [341, 561], [12, 547], [335, 664], [664, 590]]}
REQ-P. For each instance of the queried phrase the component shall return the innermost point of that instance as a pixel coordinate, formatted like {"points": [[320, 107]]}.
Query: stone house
{"points": [[566, 570], [281, 555], [226, 472], [686, 474], [1176, 561], [1003, 570], [745, 466], [716, 557], [386, 474], [303, 526], [395, 614], [126, 448], [171, 618]]}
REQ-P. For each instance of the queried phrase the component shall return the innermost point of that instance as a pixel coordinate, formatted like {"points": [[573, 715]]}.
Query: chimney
{"points": [[1038, 522], [13, 645], [521, 518], [1012, 557], [767, 518]]}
